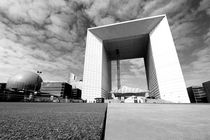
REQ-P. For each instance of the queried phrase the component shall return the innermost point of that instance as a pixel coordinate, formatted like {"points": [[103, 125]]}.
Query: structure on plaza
{"points": [[25, 81], [148, 38], [29, 86]]}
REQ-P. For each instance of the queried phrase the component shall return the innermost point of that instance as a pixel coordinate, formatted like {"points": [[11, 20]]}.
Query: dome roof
{"points": [[25, 81]]}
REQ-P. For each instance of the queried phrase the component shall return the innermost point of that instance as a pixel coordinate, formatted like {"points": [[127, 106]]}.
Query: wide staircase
{"points": [[157, 101]]}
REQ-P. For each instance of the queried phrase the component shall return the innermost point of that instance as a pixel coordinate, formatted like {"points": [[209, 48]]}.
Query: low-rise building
{"points": [[76, 93], [2, 87], [197, 94], [206, 86], [58, 89]]}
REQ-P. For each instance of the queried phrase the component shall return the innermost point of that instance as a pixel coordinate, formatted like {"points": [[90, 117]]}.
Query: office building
{"points": [[206, 86], [197, 94], [2, 87], [76, 93], [57, 89]]}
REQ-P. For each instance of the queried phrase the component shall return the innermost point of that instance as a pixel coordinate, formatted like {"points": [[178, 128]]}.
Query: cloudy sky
{"points": [[49, 35]]}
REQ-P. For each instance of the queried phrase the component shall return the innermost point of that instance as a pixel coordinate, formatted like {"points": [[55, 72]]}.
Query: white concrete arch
{"points": [[148, 38]]}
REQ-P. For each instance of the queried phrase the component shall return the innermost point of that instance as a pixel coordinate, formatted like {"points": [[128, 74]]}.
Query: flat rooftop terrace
{"points": [[158, 122]]}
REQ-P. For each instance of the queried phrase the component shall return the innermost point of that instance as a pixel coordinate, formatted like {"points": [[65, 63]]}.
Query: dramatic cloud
{"points": [[49, 35], [198, 70], [43, 35], [205, 6]]}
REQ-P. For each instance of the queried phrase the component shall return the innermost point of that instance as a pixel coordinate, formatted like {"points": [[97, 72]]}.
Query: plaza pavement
{"points": [[157, 122]]}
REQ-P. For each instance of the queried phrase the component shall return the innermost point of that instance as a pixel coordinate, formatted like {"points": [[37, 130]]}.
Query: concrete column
{"points": [[92, 78], [168, 72], [151, 73], [106, 75]]}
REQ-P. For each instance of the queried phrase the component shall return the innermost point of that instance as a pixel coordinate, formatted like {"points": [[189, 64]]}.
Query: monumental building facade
{"points": [[148, 38]]}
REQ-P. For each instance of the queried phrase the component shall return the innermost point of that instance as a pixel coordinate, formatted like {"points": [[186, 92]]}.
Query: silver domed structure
{"points": [[26, 80]]}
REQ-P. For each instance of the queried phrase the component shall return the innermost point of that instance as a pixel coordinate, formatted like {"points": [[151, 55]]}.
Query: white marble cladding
{"points": [[167, 67], [164, 75], [92, 79], [106, 75], [151, 73]]}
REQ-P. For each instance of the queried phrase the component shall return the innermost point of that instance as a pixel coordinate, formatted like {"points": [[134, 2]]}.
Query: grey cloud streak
{"points": [[48, 31]]}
